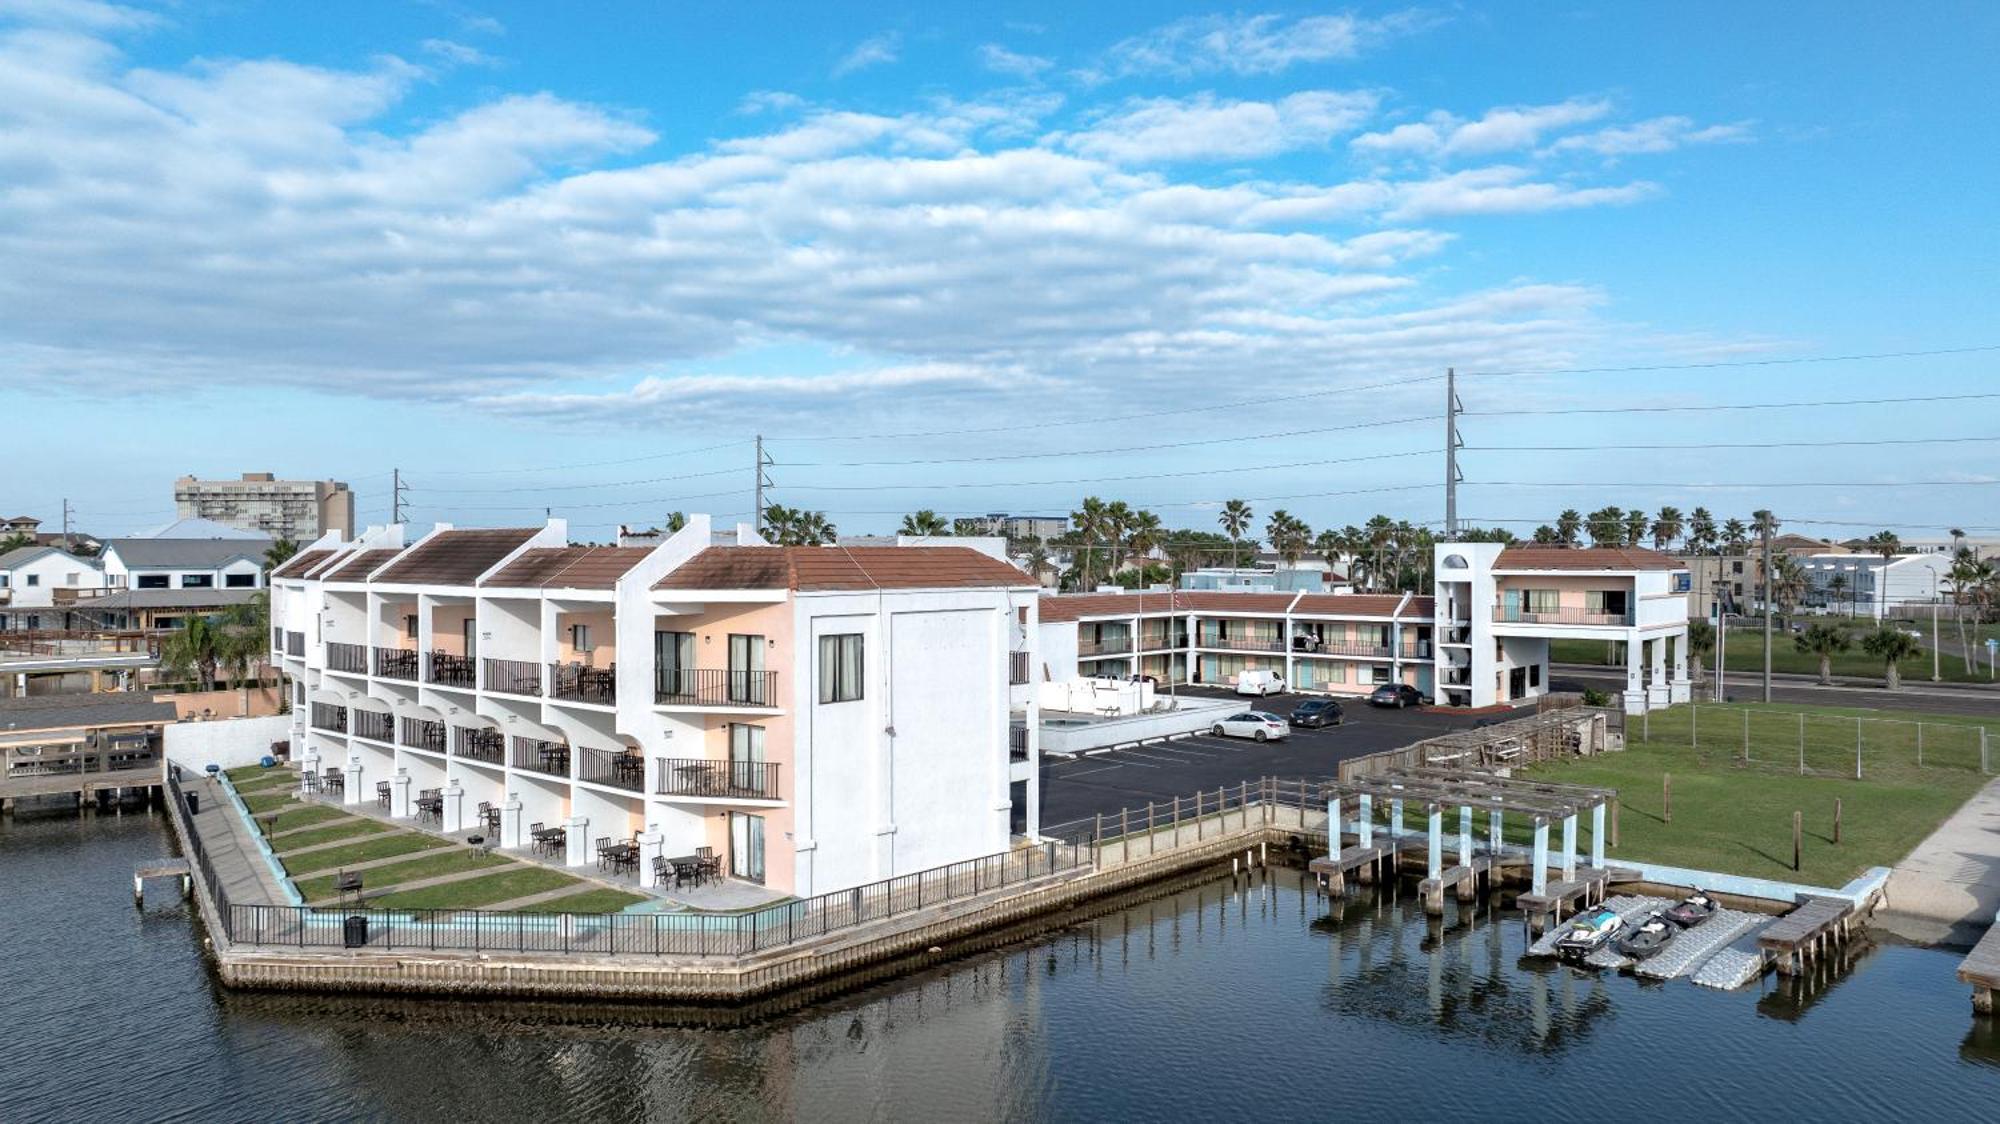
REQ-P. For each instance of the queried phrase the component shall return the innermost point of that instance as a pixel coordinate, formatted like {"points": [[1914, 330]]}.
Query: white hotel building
{"points": [[822, 717], [1481, 639]]}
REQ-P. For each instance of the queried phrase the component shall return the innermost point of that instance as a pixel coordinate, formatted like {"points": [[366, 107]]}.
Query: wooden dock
{"points": [[1809, 932], [1981, 969], [160, 868]]}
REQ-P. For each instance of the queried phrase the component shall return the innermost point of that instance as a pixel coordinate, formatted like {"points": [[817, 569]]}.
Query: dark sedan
{"points": [[1316, 713], [1398, 695]]}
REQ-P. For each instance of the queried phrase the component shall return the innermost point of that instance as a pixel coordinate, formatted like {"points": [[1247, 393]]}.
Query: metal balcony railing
{"points": [[573, 682], [715, 687], [1017, 743], [1107, 646], [447, 670], [350, 658], [374, 724], [619, 770], [1017, 667], [514, 677], [396, 663], [741, 780], [419, 733], [489, 746], [1244, 643], [1160, 641], [1504, 614], [295, 644], [540, 756], [326, 716]]}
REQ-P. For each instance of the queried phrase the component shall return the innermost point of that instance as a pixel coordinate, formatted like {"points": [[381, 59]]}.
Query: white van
{"points": [[1259, 682]]}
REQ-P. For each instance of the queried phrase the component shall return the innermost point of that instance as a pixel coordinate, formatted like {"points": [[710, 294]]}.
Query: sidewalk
{"points": [[232, 848], [1949, 885]]}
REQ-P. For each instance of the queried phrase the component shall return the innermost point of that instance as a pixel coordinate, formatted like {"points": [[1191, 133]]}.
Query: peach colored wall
{"points": [[711, 650], [390, 633], [223, 704], [448, 628], [1569, 590], [603, 635]]}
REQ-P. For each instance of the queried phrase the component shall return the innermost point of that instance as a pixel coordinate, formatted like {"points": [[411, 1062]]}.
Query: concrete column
{"points": [[1333, 826], [1493, 835], [579, 841], [1569, 847], [1395, 820], [1436, 864], [400, 806], [1465, 835], [1597, 837], [355, 790], [652, 845], [452, 815], [1656, 691], [1367, 821], [1635, 685], [1540, 882], [513, 831]]}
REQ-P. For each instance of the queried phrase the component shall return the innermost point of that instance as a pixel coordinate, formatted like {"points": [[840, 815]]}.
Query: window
{"points": [[840, 668], [197, 581], [579, 638], [3, 581], [1541, 600], [34, 621], [240, 581], [150, 581], [1534, 675], [673, 662], [1607, 601], [746, 743], [746, 669], [1379, 674], [70, 578], [1736, 567], [34, 579], [410, 626]]}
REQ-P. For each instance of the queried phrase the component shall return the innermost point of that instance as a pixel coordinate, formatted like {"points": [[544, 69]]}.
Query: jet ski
{"points": [[1647, 938], [1691, 910], [1587, 932]]}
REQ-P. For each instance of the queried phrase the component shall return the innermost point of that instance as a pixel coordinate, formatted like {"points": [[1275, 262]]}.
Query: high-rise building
{"points": [[300, 510]]}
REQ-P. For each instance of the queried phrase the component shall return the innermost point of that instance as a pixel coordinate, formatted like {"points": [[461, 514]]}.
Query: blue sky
{"points": [[997, 257]]}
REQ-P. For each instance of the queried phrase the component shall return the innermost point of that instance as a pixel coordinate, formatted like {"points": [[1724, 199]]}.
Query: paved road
{"points": [[1128, 778], [1915, 695]]}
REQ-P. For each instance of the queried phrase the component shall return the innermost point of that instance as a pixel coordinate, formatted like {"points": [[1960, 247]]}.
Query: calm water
{"points": [[1219, 1001]]}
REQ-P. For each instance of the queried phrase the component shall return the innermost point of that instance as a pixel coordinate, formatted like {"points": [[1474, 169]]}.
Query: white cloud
{"points": [[1503, 190], [1660, 134], [873, 51], [458, 54], [1155, 130], [769, 101], [694, 396], [1499, 130], [1000, 60], [88, 15], [1255, 44]]}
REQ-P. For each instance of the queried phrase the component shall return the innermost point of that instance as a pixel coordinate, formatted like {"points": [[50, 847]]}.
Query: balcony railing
{"points": [[374, 724], [295, 644], [1108, 646], [1306, 645], [715, 687], [1505, 614], [619, 770], [277, 634], [419, 733], [741, 780], [573, 682], [1017, 667], [396, 663], [350, 658], [447, 670], [538, 756], [514, 677], [489, 746], [1244, 643], [1017, 743], [326, 716], [1160, 641]]}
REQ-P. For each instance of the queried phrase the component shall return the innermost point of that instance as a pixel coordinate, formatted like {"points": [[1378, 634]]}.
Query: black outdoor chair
{"points": [[664, 873], [603, 851], [382, 793]]}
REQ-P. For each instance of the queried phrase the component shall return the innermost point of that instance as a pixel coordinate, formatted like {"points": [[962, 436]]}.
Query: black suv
{"points": [[1315, 713]]}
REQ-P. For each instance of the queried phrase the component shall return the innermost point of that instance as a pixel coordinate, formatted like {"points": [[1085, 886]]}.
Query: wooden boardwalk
{"points": [[1808, 932], [1981, 969], [81, 784]]}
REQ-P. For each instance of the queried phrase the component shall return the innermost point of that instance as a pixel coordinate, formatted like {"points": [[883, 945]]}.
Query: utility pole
{"points": [[1452, 406], [763, 481], [1935, 650], [1770, 587], [68, 548], [395, 495]]}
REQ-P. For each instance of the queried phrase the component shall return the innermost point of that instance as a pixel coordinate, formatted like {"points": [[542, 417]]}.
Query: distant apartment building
{"points": [[822, 717], [1868, 585], [299, 510], [1733, 582], [1026, 526]]}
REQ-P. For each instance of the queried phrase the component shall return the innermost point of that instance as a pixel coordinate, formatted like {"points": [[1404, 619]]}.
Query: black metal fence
{"points": [[396, 663], [489, 746], [689, 776], [349, 658], [691, 686], [617, 769], [447, 670], [541, 756], [420, 733], [573, 682], [327, 716], [374, 724], [514, 677]]}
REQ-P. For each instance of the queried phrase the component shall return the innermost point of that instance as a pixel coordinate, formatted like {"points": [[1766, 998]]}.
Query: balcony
{"points": [[349, 658], [374, 725], [396, 663], [1017, 743], [573, 682], [538, 756], [446, 670], [1160, 641], [1107, 646], [727, 780], [1017, 668], [1307, 645], [277, 634], [421, 734], [295, 645], [715, 687], [618, 770], [489, 746], [326, 716], [1504, 614], [514, 677], [1244, 643]]}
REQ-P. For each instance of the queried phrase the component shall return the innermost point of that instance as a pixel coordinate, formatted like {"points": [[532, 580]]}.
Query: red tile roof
{"points": [[1075, 606], [299, 563], [455, 557], [569, 567], [807, 568], [1596, 558]]}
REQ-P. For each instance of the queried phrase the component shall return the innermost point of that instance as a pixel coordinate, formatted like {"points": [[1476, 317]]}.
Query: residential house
{"points": [[40, 584]]}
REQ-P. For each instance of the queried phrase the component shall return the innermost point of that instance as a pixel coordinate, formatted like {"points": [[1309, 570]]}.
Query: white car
{"points": [[1253, 724], [1259, 683]]}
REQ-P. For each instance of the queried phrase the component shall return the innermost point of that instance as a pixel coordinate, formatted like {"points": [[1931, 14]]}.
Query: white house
{"points": [[147, 563], [1868, 585], [34, 579]]}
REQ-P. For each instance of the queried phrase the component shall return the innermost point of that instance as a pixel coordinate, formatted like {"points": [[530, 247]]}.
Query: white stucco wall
{"points": [[230, 742]]}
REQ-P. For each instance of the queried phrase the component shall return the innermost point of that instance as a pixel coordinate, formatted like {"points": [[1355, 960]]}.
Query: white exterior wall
{"points": [[50, 572]]}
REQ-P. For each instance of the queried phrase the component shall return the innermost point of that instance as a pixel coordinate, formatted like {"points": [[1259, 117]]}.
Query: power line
{"points": [[1720, 363], [574, 487], [582, 464], [1233, 438], [1101, 479], [1139, 505], [1730, 445], [1741, 406], [1783, 521], [1745, 487], [586, 506]]}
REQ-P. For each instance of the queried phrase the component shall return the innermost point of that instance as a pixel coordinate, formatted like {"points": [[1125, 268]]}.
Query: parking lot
{"points": [[1079, 789]]}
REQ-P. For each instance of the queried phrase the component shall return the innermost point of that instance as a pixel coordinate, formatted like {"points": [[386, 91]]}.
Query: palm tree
{"points": [[1143, 534], [1117, 524], [1328, 545], [1546, 535], [1090, 523], [1606, 526], [1235, 519], [1701, 641], [1636, 523], [1037, 559], [1787, 582], [1886, 544], [1568, 524], [1289, 536], [1667, 527], [923, 523], [277, 554], [205, 643], [677, 521], [1825, 641], [1957, 540], [1890, 645], [1836, 589], [1379, 530], [1701, 530], [1735, 537], [1972, 581]]}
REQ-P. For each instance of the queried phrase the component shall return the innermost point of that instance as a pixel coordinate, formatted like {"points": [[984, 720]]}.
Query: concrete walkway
{"points": [[232, 848], [1948, 888]]}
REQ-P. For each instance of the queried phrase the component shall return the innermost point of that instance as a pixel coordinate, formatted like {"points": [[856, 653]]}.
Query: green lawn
{"points": [[1735, 816], [380, 847], [429, 866], [260, 802], [342, 829], [587, 901], [1746, 655], [472, 893], [249, 773], [302, 815], [273, 781]]}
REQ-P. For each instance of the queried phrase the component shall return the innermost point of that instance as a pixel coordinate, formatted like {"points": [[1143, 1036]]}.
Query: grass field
{"points": [[346, 828], [261, 802], [1734, 815], [380, 847], [429, 866], [599, 900], [300, 815], [1746, 654], [472, 893]]}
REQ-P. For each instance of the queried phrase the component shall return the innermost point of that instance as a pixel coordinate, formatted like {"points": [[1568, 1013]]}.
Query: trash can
{"points": [[194, 803], [355, 931]]}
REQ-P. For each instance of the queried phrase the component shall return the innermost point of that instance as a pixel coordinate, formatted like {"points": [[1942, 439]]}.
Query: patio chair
{"points": [[382, 793], [603, 846], [536, 838], [664, 873]]}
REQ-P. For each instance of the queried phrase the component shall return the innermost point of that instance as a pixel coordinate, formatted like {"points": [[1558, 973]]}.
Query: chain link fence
{"points": [[1814, 743]]}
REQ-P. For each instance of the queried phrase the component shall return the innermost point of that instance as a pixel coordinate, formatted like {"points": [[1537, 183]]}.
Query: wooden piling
{"points": [[1667, 796], [1836, 819], [1798, 839]]}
